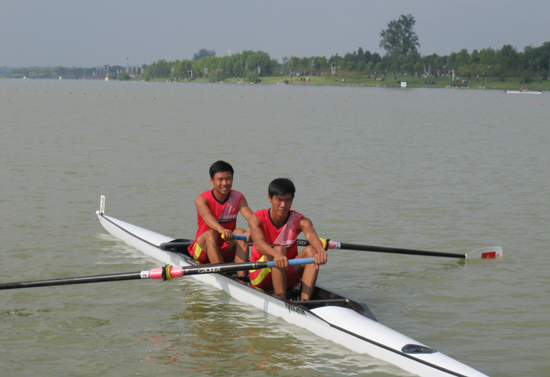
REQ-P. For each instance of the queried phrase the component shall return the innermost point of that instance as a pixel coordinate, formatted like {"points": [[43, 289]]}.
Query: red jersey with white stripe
{"points": [[286, 235], [225, 213]]}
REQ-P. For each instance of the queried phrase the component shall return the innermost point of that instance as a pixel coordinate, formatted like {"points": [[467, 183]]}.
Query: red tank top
{"points": [[286, 235], [225, 213]]}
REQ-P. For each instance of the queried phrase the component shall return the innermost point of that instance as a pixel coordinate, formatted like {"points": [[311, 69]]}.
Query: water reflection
{"points": [[221, 337]]}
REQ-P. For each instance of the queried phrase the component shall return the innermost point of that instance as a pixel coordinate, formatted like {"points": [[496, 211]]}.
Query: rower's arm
{"points": [[244, 209], [306, 226], [254, 224], [246, 212], [204, 212]]}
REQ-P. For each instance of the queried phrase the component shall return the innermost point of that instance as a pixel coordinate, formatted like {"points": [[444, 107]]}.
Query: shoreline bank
{"points": [[411, 82]]}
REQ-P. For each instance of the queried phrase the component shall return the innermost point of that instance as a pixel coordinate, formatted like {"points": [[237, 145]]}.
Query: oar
{"points": [[491, 252], [165, 273]]}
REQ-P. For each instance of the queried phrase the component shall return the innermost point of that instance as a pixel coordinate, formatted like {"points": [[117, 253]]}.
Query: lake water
{"points": [[434, 169]]}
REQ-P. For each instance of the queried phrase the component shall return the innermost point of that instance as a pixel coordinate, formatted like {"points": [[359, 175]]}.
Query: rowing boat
{"points": [[329, 315], [521, 92]]}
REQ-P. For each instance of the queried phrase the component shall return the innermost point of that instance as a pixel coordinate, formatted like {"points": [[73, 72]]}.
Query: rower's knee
{"points": [[209, 236], [309, 252]]}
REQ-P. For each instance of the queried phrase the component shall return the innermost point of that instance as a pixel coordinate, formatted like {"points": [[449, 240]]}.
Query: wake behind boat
{"points": [[329, 315]]}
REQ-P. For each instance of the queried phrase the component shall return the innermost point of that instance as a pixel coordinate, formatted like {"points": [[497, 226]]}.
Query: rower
{"points": [[217, 211], [275, 232]]}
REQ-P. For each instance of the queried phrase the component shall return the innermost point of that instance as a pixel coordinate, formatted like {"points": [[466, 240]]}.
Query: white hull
{"points": [[339, 324], [520, 92]]}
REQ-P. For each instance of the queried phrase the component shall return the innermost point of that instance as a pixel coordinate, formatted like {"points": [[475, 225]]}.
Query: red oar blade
{"points": [[491, 252]]}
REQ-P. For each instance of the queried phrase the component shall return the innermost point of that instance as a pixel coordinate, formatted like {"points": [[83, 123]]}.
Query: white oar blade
{"points": [[491, 252]]}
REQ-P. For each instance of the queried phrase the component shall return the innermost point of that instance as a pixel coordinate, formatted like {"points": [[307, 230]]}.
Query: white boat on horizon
{"points": [[522, 92]]}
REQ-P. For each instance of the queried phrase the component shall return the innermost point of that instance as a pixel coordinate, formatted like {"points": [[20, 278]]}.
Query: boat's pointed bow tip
{"points": [[491, 252]]}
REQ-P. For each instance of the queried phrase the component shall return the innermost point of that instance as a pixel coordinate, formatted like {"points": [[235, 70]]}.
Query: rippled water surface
{"points": [[446, 170]]}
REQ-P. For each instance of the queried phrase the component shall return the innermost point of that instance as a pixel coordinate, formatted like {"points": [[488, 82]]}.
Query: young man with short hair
{"points": [[275, 232], [217, 211]]}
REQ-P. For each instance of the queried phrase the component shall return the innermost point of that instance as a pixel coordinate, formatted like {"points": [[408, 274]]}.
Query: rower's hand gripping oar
{"points": [[165, 273], [491, 252]]}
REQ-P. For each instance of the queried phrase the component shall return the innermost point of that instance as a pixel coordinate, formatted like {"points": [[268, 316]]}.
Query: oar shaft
{"points": [[394, 250], [375, 249], [168, 272], [71, 281], [390, 250]]}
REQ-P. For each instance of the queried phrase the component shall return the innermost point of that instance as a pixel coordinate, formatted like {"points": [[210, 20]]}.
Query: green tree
{"points": [[198, 68], [258, 59], [376, 58], [487, 56], [320, 62], [370, 67], [399, 37], [203, 53], [123, 76], [509, 58], [360, 55], [294, 63], [462, 58], [474, 57], [406, 68], [182, 68], [284, 64], [367, 56], [305, 64]]}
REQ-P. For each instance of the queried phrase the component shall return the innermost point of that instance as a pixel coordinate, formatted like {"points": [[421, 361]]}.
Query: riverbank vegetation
{"points": [[504, 67]]}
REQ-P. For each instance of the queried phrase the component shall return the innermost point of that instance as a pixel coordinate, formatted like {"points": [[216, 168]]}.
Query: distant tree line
{"points": [[402, 57], [65, 72], [243, 64], [504, 62]]}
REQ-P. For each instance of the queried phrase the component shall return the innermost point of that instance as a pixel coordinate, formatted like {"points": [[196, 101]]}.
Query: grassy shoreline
{"points": [[511, 83]]}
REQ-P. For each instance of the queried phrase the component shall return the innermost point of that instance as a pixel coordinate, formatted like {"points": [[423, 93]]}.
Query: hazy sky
{"points": [[89, 33]]}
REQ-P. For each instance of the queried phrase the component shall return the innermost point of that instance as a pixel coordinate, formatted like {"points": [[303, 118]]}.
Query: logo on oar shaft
{"points": [[207, 270]]}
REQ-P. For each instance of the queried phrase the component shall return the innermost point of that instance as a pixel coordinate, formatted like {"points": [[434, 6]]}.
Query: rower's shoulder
{"points": [[261, 213], [205, 194], [305, 221], [204, 198], [236, 193], [297, 215]]}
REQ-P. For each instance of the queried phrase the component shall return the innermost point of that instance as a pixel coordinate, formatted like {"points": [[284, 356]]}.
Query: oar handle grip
{"points": [[294, 262], [237, 237]]}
